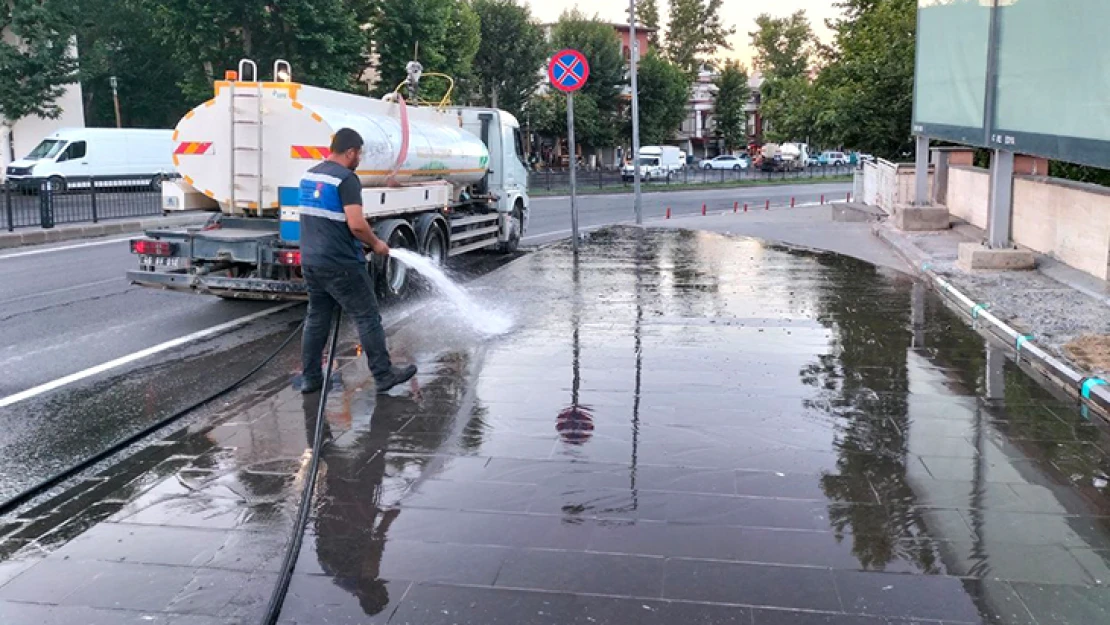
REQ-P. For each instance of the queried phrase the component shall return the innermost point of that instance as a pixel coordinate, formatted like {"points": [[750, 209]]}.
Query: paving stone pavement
{"points": [[681, 428]]}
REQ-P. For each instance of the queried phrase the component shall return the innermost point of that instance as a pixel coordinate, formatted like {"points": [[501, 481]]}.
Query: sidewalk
{"points": [[1066, 310], [682, 427], [67, 232]]}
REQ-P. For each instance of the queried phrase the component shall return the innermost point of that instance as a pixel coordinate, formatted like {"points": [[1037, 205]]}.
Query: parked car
{"points": [[833, 159], [79, 152], [725, 161], [814, 160]]}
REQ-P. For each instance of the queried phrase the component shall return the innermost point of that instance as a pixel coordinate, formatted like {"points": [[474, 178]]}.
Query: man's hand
{"points": [[379, 247]]}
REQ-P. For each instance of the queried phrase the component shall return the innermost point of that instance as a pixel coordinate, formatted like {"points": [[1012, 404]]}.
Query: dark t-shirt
{"points": [[326, 240]]}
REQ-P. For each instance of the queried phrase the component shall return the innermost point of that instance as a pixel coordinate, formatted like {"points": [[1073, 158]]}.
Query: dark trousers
{"points": [[351, 289]]}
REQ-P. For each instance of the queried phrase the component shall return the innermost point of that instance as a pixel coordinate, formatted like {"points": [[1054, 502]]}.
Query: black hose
{"points": [[118, 446], [293, 549]]}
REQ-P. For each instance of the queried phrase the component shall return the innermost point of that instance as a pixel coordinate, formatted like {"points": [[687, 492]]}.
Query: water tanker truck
{"points": [[437, 179]]}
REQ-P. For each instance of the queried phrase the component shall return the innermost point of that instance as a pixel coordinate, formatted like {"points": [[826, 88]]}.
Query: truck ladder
{"points": [[246, 142]]}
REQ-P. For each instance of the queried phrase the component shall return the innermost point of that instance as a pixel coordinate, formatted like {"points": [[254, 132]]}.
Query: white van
{"points": [[70, 154], [657, 162]]}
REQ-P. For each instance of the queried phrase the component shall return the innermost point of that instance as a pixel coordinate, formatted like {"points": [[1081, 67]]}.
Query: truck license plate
{"points": [[171, 262]]}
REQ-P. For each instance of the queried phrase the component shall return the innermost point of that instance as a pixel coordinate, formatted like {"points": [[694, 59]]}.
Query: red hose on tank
{"points": [[404, 153]]}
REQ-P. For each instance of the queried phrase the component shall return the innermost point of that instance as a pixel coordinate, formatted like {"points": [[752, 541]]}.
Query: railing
{"points": [[559, 179], [44, 203]]}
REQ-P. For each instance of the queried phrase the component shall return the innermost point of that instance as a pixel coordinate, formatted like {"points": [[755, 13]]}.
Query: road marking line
{"points": [[139, 355], [64, 248]]}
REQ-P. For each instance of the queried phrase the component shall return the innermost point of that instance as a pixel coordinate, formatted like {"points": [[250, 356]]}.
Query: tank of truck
{"points": [[253, 139]]}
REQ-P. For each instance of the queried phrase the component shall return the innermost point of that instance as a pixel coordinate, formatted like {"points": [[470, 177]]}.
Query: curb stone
{"points": [[69, 232]]}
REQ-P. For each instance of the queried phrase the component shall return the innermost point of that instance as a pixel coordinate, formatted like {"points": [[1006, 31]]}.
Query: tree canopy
{"points": [[695, 32], [36, 60], [511, 51], [730, 114], [448, 34], [647, 13], [783, 45], [664, 89]]}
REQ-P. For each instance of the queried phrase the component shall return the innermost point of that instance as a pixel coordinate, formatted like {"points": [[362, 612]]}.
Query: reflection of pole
{"points": [[634, 46], [917, 312], [573, 168], [996, 375], [639, 342]]}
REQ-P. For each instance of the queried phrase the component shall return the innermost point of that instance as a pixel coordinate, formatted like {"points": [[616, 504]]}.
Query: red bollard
{"points": [[791, 202], [745, 207], [668, 212], [822, 199], [849, 197], [735, 206], [768, 207], [703, 209]]}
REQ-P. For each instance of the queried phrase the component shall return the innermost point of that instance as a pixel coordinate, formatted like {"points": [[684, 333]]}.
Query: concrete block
{"points": [[920, 218], [1030, 165], [977, 257]]}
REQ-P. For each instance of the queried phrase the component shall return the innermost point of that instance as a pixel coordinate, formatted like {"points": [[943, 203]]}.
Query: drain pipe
{"points": [[1090, 391]]}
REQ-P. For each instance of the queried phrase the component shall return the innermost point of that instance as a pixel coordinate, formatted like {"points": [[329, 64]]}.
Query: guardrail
{"points": [[44, 203], [559, 180]]}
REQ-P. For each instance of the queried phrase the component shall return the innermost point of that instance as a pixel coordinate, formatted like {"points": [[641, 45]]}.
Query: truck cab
{"points": [[507, 173]]}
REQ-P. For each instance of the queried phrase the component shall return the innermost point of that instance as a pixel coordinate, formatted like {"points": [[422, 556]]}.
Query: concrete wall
{"points": [[1069, 221], [969, 194], [1066, 220]]}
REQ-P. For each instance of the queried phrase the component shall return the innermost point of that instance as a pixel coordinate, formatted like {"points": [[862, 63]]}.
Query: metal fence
{"points": [[46, 203], [559, 180]]}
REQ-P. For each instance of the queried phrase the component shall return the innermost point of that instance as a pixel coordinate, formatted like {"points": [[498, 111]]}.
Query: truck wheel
{"points": [[516, 230], [392, 275], [57, 184], [435, 245]]}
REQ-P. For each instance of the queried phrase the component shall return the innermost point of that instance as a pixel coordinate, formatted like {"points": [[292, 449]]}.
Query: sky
{"points": [[738, 13]]}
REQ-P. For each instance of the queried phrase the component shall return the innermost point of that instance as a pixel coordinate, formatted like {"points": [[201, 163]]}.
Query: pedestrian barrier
{"points": [[46, 203], [558, 179]]}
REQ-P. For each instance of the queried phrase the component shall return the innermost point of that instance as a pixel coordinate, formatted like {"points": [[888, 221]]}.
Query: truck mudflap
{"points": [[230, 288]]}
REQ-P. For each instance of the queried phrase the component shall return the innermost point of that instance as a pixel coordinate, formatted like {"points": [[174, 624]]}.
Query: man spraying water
{"points": [[333, 232]]}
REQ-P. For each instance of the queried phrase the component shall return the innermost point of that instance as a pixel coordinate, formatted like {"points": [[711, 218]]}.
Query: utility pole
{"points": [[635, 47], [115, 98]]}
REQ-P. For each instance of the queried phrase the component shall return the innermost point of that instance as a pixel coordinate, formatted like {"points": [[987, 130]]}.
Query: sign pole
{"points": [[573, 170], [635, 46]]}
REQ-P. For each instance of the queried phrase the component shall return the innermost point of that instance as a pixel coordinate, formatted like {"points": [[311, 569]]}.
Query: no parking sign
{"points": [[568, 72]]}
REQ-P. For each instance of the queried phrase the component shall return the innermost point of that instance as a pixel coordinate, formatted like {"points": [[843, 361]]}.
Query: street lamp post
{"points": [[635, 47], [115, 98]]}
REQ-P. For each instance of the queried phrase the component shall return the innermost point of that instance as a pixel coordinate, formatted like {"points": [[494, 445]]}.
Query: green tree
{"points": [[115, 38], [647, 13], [600, 44], [322, 39], [866, 86], [783, 45], [35, 60], [730, 114], [664, 90], [695, 32], [510, 57], [447, 33]]}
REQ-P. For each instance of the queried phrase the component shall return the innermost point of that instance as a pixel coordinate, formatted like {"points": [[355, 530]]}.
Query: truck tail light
{"points": [[147, 247], [291, 258]]}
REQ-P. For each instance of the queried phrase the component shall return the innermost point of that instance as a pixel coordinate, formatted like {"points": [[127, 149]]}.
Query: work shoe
{"points": [[396, 375]]}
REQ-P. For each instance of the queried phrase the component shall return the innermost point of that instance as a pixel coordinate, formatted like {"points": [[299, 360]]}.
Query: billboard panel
{"points": [[1030, 76], [1053, 94], [950, 84]]}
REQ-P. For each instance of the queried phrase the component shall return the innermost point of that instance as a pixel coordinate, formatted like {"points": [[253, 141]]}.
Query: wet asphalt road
{"points": [[64, 312], [550, 217], [681, 428]]}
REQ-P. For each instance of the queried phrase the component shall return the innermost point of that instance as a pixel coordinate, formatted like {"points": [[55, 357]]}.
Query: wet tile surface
{"points": [[681, 428]]}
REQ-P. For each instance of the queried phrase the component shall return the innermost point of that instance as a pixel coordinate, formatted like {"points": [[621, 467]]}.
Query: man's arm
{"points": [[350, 193]]}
